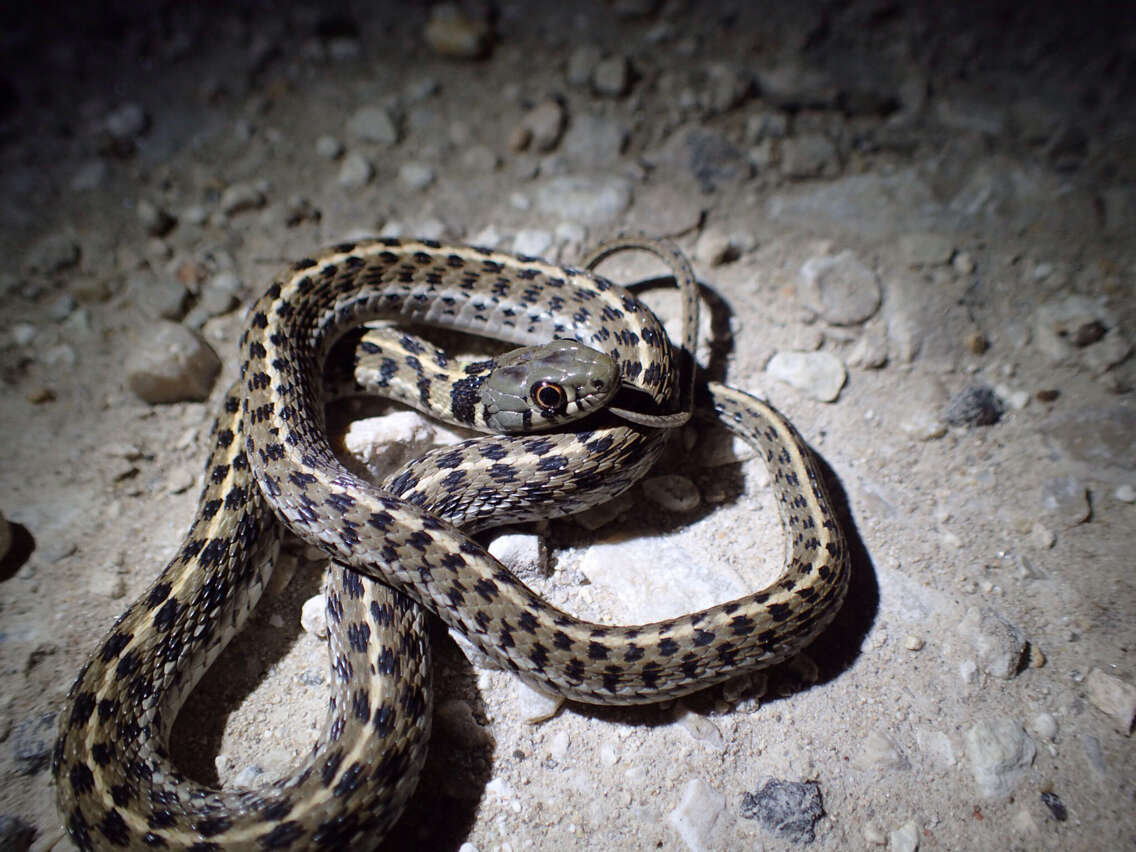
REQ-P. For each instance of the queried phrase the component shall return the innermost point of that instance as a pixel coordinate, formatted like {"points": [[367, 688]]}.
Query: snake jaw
{"points": [[539, 387]]}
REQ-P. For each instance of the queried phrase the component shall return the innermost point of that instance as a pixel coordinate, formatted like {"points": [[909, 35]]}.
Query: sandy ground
{"points": [[936, 207]]}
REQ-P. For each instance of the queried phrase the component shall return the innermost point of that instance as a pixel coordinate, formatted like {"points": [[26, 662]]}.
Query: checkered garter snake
{"points": [[272, 462]]}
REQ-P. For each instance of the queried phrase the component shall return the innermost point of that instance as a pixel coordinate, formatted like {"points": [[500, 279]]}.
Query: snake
{"points": [[406, 544]]}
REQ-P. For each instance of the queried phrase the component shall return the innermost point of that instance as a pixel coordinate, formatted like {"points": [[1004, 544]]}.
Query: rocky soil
{"points": [[919, 221]]}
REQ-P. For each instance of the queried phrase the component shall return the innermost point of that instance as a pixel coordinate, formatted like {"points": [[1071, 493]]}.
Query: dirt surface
{"points": [[920, 227]]}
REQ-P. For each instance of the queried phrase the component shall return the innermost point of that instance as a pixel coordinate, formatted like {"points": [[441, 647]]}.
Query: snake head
{"points": [[539, 387]]}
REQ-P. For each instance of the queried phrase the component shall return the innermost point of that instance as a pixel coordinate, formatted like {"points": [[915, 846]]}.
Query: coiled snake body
{"points": [[117, 787]]}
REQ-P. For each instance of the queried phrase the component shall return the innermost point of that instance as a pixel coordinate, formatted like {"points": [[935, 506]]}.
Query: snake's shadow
{"points": [[837, 648]]}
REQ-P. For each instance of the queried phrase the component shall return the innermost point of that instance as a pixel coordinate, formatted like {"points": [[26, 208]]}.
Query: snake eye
{"points": [[549, 396]]}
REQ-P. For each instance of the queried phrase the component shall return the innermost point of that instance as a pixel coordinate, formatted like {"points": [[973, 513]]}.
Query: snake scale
{"points": [[407, 542]]}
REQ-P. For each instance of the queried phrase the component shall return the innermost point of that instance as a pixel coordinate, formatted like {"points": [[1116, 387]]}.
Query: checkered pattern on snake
{"points": [[117, 787]]}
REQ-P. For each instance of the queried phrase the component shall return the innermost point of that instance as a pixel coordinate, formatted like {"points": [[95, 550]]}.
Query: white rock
{"points": [[532, 242], [127, 121], [870, 351], [531, 704], [541, 127], [659, 578], [1113, 697], [925, 248], [240, 197], [585, 200], [998, 645], [905, 838], [388, 442], [937, 746], [1000, 754], [820, 375], [23, 333], [373, 124], [416, 176], [356, 171], [840, 288], [1125, 493], [1045, 726], [329, 147], [697, 814], [313, 616], [879, 751], [171, 364], [1066, 499], [521, 553], [612, 76], [714, 247]]}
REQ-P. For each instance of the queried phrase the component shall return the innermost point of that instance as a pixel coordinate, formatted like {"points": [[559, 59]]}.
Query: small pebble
{"points": [[1045, 726], [171, 364], [541, 128], [1114, 697], [840, 288], [127, 121], [913, 643], [998, 645], [356, 171], [715, 248], [373, 124], [417, 176], [329, 147], [1000, 754], [154, 219], [240, 197], [1066, 499], [820, 375], [905, 838], [451, 32], [698, 811], [612, 76], [521, 553], [673, 492], [313, 616], [977, 343], [1125, 493], [532, 242]]}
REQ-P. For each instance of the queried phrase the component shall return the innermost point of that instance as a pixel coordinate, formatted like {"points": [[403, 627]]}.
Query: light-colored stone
{"points": [[240, 197], [698, 814], [1114, 697], [820, 375], [313, 616], [585, 200], [171, 364], [356, 171], [612, 76], [840, 288], [673, 492], [905, 838], [416, 176], [1066, 500], [924, 248], [1000, 754], [373, 124], [329, 147], [998, 645], [450, 31]]}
